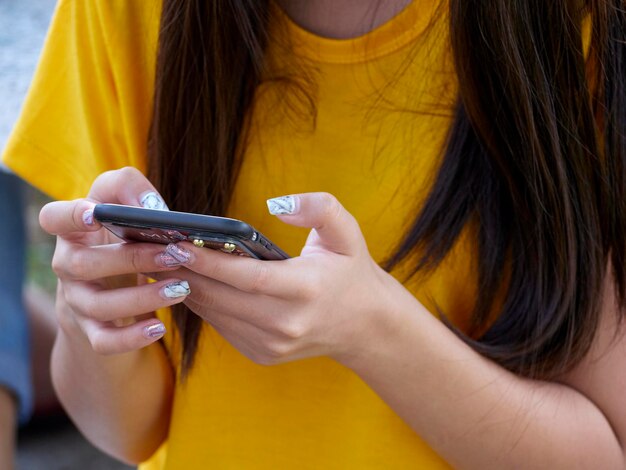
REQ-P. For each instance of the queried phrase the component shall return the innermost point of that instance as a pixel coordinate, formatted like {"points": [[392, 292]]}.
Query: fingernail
{"points": [[176, 290], [88, 217], [179, 254], [283, 205], [154, 331], [163, 259], [152, 200]]}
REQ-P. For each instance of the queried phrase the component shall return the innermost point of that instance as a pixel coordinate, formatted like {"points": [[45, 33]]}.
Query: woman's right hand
{"points": [[98, 294]]}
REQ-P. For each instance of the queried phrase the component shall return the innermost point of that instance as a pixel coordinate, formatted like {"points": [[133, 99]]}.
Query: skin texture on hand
{"points": [[110, 372], [98, 274], [316, 304], [332, 300]]}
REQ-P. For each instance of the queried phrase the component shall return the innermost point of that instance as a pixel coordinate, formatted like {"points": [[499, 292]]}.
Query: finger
{"points": [[95, 302], [337, 230], [64, 217], [84, 263], [126, 186], [247, 319], [211, 295], [275, 278], [107, 339]]}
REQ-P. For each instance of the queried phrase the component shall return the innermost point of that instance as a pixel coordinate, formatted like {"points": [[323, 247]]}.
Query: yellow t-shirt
{"points": [[383, 103]]}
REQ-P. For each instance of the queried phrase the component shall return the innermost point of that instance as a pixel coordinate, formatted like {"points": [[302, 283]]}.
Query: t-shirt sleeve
{"points": [[70, 128]]}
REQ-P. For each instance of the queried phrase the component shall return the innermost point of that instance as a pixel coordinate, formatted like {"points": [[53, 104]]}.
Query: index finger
{"points": [[63, 217], [126, 186], [247, 274]]}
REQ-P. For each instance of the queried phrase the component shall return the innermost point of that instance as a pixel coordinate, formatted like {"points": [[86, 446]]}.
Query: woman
{"points": [[483, 168]]}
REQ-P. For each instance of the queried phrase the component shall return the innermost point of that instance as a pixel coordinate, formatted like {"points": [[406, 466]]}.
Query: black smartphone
{"points": [[148, 225]]}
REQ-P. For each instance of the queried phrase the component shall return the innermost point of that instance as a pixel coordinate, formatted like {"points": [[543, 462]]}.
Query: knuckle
{"points": [[45, 214], [305, 291], [65, 317], [310, 289], [204, 298], [118, 178], [128, 172], [293, 329], [65, 293], [58, 265], [276, 351], [134, 260], [269, 356], [77, 265], [70, 306], [77, 216], [93, 307], [64, 312], [99, 344], [103, 177]]}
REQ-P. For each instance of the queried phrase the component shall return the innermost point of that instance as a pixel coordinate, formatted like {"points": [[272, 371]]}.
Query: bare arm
{"points": [[478, 415], [121, 402]]}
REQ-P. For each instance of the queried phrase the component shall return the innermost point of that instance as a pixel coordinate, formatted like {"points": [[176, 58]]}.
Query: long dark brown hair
{"points": [[534, 161]]}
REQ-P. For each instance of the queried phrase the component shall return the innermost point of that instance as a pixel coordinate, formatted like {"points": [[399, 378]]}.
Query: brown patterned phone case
{"points": [[156, 226]]}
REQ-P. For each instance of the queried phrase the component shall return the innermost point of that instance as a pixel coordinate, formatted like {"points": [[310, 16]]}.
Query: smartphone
{"points": [[148, 225]]}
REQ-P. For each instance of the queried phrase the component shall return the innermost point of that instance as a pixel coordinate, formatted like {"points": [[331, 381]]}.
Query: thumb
{"points": [[337, 230]]}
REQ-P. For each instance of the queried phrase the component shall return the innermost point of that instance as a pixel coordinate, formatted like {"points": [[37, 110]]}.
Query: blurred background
{"points": [[49, 441]]}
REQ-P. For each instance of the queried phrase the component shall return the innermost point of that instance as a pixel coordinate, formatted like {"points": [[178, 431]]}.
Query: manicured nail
{"points": [[163, 259], [180, 254], [88, 217], [176, 290], [154, 331], [152, 200], [283, 205]]}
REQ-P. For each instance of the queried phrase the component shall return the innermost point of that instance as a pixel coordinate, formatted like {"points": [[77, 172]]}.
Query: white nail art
{"points": [[167, 260], [154, 331], [152, 200], [282, 205], [183, 256], [88, 217], [176, 289]]}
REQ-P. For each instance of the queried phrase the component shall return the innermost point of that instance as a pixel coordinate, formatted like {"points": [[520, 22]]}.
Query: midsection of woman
{"points": [[365, 119], [376, 150], [361, 137]]}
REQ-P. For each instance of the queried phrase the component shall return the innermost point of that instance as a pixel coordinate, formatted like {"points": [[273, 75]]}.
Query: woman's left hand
{"points": [[326, 302]]}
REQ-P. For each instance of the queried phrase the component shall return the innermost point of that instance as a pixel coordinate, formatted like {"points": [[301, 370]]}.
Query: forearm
{"points": [[120, 402], [473, 412]]}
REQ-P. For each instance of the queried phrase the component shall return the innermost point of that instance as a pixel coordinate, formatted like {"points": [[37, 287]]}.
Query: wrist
{"points": [[379, 325]]}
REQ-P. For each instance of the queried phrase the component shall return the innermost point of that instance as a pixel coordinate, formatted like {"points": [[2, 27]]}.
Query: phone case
{"points": [[148, 225]]}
